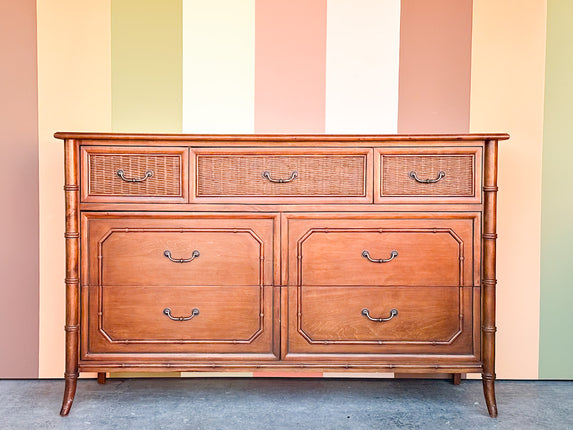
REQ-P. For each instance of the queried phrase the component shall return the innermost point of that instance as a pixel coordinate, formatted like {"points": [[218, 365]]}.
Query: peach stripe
{"points": [[435, 66], [507, 95], [74, 94], [287, 374], [290, 65]]}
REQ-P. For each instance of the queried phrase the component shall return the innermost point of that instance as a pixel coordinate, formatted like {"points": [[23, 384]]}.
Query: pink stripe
{"points": [[290, 66], [19, 217], [435, 66]]}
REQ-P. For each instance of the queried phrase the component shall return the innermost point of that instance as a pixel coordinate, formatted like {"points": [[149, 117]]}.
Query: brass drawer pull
{"points": [[267, 175], [393, 255], [121, 174], [366, 313], [194, 255], [194, 313], [441, 174]]}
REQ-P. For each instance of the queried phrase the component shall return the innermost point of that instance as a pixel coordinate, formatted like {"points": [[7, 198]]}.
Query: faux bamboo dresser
{"points": [[290, 253]]}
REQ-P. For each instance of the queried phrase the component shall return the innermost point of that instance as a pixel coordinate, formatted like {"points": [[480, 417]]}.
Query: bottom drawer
{"points": [[178, 319], [380, 320]]}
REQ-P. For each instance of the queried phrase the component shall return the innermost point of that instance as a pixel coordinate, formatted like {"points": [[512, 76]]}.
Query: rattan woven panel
{"points": [[104, 180], [320, 175], [458, 179]]}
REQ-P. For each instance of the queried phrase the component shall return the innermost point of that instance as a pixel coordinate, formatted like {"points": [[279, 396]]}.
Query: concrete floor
{"points": [[256, 403]]}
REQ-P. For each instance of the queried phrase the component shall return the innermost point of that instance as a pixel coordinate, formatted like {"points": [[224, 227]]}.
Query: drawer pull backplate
{"points": [[267, 175], [393, 255], [194, 255], [194, 313], [366, 313], [441, 174], [121, 174]]}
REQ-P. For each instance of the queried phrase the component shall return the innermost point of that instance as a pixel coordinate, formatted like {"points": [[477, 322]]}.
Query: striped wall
{"points": [[292, 66]]}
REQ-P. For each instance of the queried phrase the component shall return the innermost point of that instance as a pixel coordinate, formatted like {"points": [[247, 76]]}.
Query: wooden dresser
{"points": [[284, 252]]}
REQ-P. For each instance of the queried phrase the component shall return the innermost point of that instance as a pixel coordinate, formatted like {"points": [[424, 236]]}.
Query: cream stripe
{"points": [[508, 73], [74, 93], [362, 61], [218, 66]]}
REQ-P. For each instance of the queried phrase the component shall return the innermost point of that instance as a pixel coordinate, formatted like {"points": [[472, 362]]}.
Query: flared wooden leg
{"points": [[489, 393], [456, 378], [101, 377], [69, 393]]}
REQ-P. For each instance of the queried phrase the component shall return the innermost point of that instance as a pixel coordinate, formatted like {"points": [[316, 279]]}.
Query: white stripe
{"points": [[362, 66], [218, 66]]}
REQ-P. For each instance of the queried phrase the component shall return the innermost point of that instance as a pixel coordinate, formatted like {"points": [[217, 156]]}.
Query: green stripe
{"points": [[146, 65], [556, 324]]}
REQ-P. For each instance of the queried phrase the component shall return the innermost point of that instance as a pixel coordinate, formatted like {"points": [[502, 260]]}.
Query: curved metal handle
{"points": [[194, 255], [194, 313], [393, 255], [267, 175], [121, 174], [441, 174], [366, 313]]}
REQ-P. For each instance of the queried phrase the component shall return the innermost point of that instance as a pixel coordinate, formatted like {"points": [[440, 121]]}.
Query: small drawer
{"points": [[283, 175], [378, 249], [135, 174], [179, 319], [420, 175], [381, 319]]}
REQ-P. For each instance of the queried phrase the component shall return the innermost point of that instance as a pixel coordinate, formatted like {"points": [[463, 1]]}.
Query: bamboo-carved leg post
{"points": [[72, 235], [488, 275]]}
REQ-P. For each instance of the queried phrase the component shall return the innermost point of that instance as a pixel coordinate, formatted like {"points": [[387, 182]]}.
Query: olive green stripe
{"points": [[146, 65], [556, 320]]}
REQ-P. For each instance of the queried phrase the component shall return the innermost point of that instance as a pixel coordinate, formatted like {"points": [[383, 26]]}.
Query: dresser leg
{"points": [[101, 377], [456, 378], [69, 393], [489, 393]]}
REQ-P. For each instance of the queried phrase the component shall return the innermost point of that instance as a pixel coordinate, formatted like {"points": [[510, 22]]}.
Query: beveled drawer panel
{"points": [[143, 174], [381, 319], [167, 250], [283, 174], [179, 319], [382, 249], [428, 174]]}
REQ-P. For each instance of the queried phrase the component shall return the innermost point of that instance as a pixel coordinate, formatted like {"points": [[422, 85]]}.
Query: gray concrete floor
{"points": [[255, 403]]}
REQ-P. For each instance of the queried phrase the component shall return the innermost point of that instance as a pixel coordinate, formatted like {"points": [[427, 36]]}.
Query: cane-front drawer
{"points": [[362, 320], [382, 249], [283, 175], [168, 250], [421, 175], [198, 320], [134, 174]]}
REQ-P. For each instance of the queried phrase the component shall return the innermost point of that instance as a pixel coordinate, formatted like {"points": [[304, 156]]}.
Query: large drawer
{"points": [[379, 320], [126, 249], [178, 319], [428, 175], [433, 249], [134, 174], [283, 175]]}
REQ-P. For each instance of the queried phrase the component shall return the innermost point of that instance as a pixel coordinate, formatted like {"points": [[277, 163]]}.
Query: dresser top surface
{"points": [[270, 139]]}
